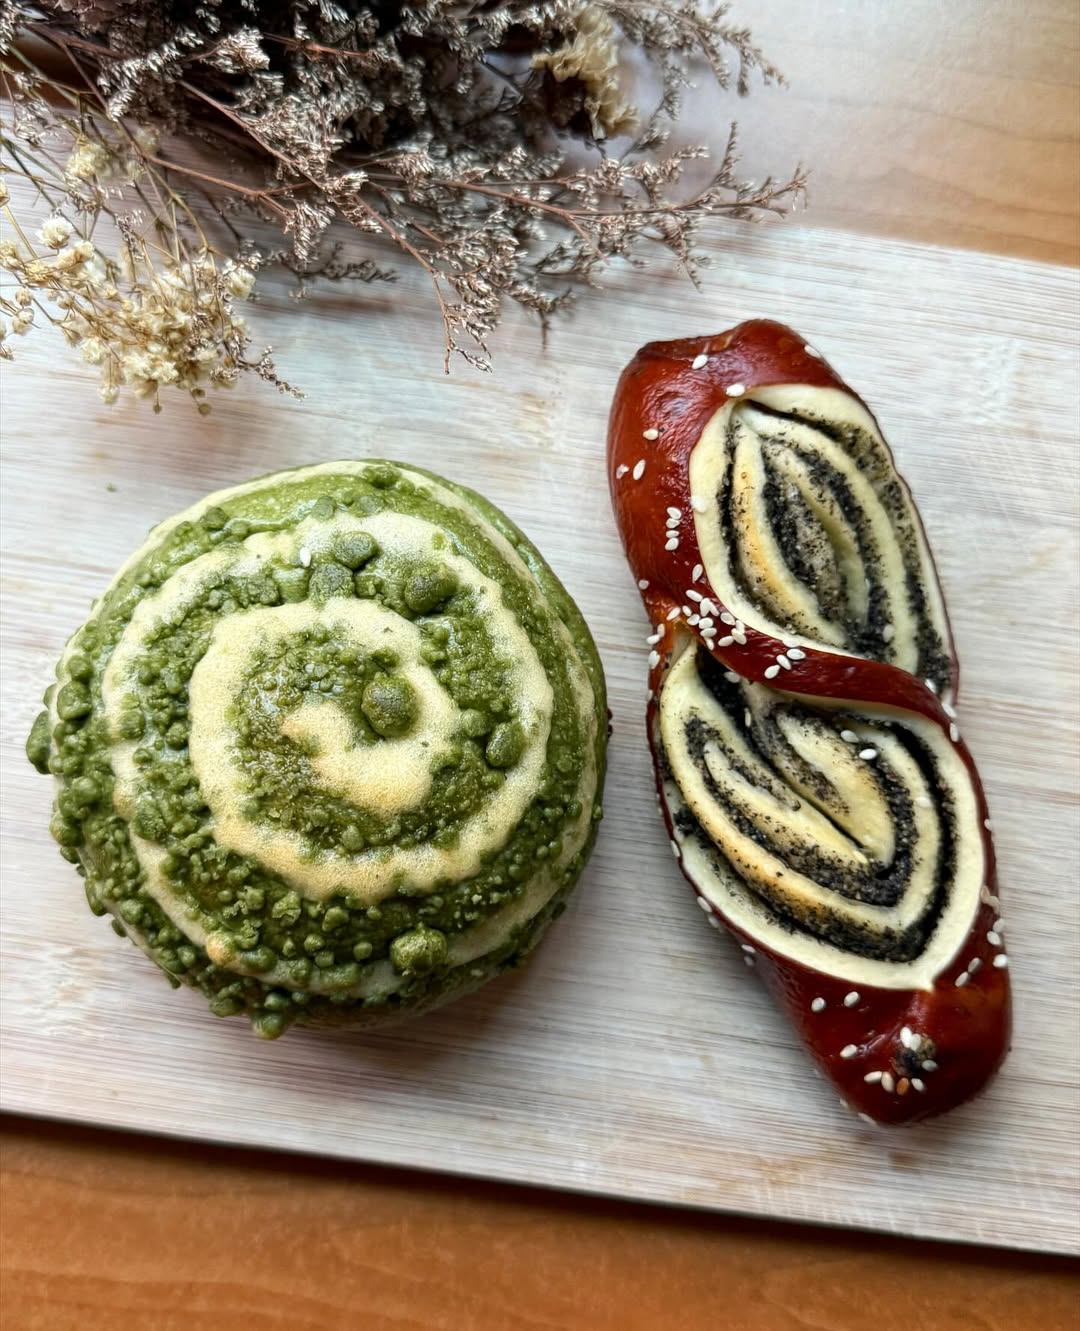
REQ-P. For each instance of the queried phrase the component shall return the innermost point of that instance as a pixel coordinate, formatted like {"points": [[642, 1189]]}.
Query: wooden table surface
{"points": [[955, 124]]}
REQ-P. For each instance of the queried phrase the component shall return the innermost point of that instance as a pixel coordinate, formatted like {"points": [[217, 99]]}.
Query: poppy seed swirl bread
{"points": [[801, 716]]}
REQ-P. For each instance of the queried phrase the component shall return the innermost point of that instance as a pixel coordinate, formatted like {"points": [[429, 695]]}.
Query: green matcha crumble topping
{"points": [[328, 847]]}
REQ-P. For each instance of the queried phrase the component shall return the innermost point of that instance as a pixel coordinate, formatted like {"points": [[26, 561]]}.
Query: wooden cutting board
{"points": [[635, 1056]]}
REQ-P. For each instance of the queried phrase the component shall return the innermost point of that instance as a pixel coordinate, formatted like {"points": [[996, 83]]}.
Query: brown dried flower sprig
{"points": [[458, 132]]}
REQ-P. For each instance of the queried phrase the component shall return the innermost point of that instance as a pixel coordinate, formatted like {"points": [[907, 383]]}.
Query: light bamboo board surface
{"points": [[635, 1056]]}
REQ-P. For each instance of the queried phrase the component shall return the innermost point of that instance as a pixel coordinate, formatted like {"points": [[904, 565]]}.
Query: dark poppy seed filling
{"points": [[871, 871], [849, 827], [810, 533], [801, 713]]}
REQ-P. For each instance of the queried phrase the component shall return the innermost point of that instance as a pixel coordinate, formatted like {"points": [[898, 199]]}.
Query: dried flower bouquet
{"points": [[474, 139]]}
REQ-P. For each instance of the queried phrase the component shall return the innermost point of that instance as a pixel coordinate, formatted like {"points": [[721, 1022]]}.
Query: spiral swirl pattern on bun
{"points": [[331, 746]]}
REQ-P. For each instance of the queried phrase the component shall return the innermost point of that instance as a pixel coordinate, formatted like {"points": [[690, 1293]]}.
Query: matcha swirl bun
{"points": [[331, 745]]}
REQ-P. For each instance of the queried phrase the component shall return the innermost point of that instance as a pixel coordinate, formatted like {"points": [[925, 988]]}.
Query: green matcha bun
{"points": [[330, 747]]}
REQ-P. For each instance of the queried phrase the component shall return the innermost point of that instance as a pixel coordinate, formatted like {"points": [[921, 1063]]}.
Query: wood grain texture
{"points": [[952, 123], [213, 1238], [634, 1056], [95, 1229]]}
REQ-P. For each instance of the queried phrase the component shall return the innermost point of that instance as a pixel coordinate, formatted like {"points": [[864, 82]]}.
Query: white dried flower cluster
{"points": [[55, 232], [160, 315], [170, 324], [88, 161]]}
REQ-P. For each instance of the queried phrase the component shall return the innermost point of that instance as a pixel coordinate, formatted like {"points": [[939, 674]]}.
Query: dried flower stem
{"points": [[439, 125]]}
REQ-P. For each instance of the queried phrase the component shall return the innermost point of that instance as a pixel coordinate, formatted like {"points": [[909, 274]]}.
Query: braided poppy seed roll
{"points": [[801, 712], [331, 745]]}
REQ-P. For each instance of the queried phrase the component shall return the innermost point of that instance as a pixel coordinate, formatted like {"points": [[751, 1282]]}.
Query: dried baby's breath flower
{"points": [[154, 317], [462, 135], [87, 161], [55, 232], [238, 281]]}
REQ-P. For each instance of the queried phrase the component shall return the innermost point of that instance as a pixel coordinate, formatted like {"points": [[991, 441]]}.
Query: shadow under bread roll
{"points": [[331, 745]]}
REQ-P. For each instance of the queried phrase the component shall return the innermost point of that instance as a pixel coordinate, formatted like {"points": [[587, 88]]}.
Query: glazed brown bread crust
{"points": [[813, 781]]}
